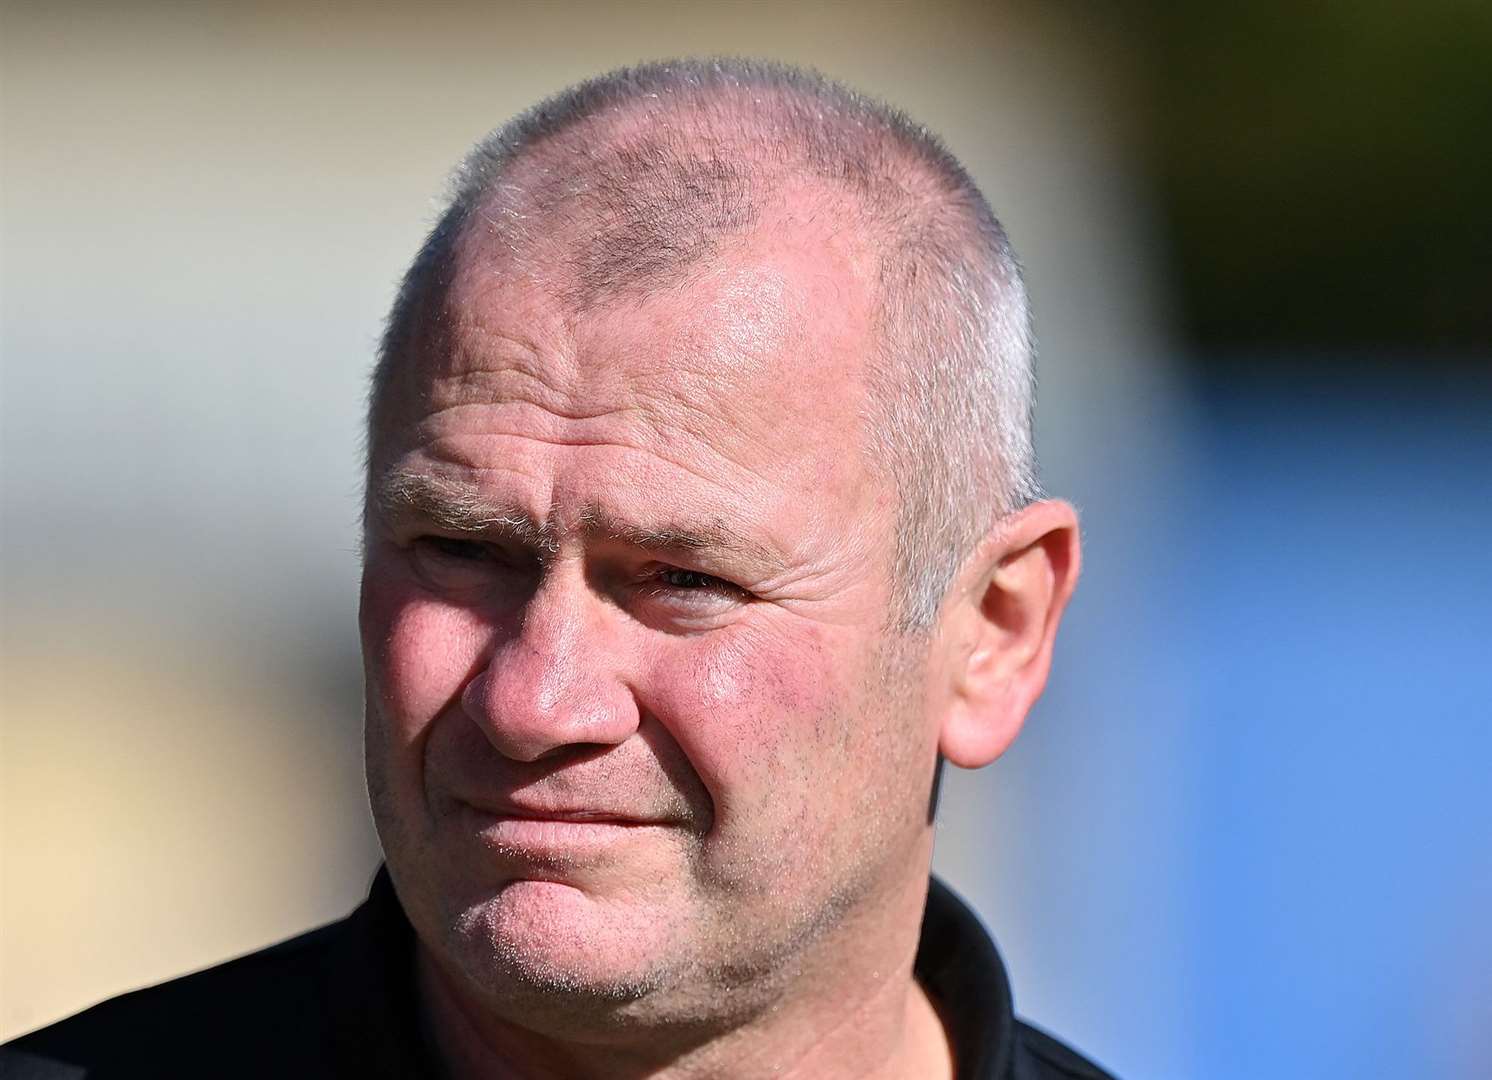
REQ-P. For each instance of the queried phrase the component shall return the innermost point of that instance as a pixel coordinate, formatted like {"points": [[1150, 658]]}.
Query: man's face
{"points": [[635, 727]]}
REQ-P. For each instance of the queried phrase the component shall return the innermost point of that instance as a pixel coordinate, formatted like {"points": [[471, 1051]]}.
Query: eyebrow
{"points": [[457, 506]]}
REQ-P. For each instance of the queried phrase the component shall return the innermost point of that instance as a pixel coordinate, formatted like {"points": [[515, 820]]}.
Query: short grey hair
{"points": [[624, 204]]}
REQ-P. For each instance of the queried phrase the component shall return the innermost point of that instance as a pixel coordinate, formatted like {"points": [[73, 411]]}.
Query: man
{"points": [[702, 527]]}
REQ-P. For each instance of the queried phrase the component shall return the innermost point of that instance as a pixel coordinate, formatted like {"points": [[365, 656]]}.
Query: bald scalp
{"points": [[640, 179]]}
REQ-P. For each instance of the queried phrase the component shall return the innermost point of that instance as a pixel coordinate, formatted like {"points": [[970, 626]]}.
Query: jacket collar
{"points": [[377, 1022]]}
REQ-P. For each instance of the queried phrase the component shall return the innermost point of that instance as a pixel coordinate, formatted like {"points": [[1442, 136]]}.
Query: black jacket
{"points": [[339, 1002]]}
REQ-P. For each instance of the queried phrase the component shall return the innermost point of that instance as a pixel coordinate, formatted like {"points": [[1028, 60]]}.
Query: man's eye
{"points": [[691, 579], [673, 593], [447, 547], [448, 563]]}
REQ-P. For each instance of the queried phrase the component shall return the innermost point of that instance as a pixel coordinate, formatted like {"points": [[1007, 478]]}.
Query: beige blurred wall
{"points": [[205, 209]]}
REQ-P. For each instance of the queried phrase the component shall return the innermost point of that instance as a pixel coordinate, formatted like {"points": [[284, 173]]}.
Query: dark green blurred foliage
{"points": [[1325, 172]]}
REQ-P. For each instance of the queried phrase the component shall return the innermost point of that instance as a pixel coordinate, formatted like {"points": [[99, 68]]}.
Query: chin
{"points": [[544, 939]]}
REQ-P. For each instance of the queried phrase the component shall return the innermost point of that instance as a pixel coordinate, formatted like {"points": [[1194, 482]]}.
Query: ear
{"points": [[999, 626]]}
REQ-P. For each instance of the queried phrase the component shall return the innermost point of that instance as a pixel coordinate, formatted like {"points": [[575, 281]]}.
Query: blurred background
{"points": [[1245, 834]]}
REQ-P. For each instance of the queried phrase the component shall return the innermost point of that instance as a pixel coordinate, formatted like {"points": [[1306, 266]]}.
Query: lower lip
{"points": [[554, 836]]}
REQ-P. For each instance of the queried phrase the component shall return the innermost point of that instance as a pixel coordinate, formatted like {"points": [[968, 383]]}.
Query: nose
{"points": [[558, 682]]}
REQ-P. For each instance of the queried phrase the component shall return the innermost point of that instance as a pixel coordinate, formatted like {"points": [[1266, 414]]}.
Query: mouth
{"points": [[552, 835], [577, 816]]}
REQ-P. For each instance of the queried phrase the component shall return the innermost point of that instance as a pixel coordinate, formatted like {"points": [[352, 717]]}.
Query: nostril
{"points": [[528, 706]]}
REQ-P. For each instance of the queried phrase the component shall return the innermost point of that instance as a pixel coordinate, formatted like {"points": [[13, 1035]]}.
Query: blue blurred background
{"points": [[1245, 834]]}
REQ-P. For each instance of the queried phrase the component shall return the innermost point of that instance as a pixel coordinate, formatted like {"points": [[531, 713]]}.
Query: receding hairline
{"points": [[641, 173]]}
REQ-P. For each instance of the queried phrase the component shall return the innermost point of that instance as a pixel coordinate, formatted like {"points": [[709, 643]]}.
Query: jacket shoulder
{"points": [[256, 1013], [1041, 1057]]}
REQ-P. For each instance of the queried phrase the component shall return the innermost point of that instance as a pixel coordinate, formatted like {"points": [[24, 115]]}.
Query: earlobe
{"points": [[1003, 621]]}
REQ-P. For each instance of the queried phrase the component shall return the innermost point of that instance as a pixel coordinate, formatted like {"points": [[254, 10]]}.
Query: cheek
{"points": [[417, 656], [761, 720]]}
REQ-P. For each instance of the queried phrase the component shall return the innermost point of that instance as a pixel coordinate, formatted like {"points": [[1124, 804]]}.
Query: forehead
{"points": [[763, 345]]}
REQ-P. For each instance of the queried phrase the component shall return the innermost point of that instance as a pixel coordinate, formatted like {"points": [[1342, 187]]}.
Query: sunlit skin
{"points": [[650, 771]]}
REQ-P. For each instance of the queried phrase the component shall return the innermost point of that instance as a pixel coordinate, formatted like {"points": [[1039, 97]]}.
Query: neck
{"points": [[863, 1019]]}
